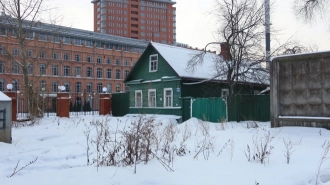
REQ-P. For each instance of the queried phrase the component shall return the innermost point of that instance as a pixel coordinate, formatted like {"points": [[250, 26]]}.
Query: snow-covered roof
{"points": [[4, 97], [178, 57]]}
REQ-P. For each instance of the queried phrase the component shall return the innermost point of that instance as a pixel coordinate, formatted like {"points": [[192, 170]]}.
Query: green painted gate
{"points": [[120, 104], [209, 109]]}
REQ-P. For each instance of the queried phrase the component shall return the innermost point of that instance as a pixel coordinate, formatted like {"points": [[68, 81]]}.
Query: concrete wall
{"points": [[300, 90], [5, 125]]}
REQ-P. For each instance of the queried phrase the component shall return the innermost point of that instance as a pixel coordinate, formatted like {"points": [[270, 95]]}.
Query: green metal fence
{"points": [[120, 104], [209, 109], [249, 107]]}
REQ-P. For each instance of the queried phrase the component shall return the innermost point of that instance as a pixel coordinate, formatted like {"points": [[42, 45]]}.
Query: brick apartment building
{"points": [[139, 19], [82, 61]]}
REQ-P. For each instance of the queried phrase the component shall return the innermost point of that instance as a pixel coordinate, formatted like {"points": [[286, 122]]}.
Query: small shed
{"points": [[5, 118]]}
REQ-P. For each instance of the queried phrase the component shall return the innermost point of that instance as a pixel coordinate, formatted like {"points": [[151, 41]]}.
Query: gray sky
{"points": [[196, 27]]}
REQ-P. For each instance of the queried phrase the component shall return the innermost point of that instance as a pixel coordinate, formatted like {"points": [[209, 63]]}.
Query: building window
{"points": [[54, 70], [42, 54], [99, 87], [2, 85], [55, 56], [99, 60], [30, 69], [77, 57], [78, 87], [67, 71], [67, 86], [89, 72], [42, 68], [126, 62], [15, 52], [89, 87], [89, 59], [15, 68], [99, 73], [15, 84], [117, 74], [153, 63], [168, 97], [126, 73], [108, 73], [224, 93], [118, 88], [30, 53], [66, 56], [138, 98], [42, 84], [109, 88], [2, 66], [54, 86], [117, 61], [109, 61], [152, 97], [77, 71]]}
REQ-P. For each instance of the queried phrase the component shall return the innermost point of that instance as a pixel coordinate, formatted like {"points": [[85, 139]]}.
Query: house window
{"points": [[138, 98], [42, 84], [15, 84], [42, 69], [66, 70], [153, 63], [118, 61], [42, 54], [109, 61], [78, 87], [66, 56], [2, 84], [88, 72], [29, 53], [108, 73], [55, 70], [152, 97], [55, 56], [78, 71], [16, 52], [67, 86], [126, 73], [99, 73], [168, 97], [224, 93], [30, 69], [99, 87], [126, 62], [109, 88], [15, 67], [117, 74]]}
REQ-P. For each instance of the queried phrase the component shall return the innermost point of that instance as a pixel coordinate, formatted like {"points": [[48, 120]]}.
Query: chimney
{"points": [[225, 51]]}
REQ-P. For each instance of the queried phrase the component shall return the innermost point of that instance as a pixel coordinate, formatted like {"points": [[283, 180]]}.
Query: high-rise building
{"points": [[151, 20]]}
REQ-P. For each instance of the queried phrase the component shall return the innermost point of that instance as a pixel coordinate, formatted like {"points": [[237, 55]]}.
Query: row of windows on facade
{"points": [[120, 11], [149, 28], [15, 69], [152, 98], [76, 41], [66, 56], [143, 21], [155, 22], [123, 4], [55, 85]]}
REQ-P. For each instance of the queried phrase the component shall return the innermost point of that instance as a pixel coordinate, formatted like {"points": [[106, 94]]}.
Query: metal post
{"points": [[267, 27]]}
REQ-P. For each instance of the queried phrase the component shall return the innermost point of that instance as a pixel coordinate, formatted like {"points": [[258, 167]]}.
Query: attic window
{"points": [[153, 63]]}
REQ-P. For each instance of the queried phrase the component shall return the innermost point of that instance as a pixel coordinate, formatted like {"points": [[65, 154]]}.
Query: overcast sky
{"points": [[196, 27]]}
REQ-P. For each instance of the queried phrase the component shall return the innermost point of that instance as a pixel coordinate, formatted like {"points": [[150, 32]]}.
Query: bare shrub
{"points": [[289, 148], [324, 157], [17, 170]]}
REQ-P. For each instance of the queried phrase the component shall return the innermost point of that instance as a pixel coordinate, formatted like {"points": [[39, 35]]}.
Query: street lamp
{"points": [[104, 89], [9, 87]]}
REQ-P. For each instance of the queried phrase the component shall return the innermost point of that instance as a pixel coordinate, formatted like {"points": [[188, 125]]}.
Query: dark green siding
{"points": [[209, 109]]}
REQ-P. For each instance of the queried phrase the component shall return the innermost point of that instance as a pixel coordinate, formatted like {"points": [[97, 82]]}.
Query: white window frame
{"points": [[136, 100], [155, 62], [165, 97], [224, 93], [152, 102]]}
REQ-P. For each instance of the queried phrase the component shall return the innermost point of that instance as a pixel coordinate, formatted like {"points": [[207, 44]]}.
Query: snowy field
{"points": [[191, 153]]}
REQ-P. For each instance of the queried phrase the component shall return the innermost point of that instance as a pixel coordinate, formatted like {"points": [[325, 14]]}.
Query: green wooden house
{"points": [[160, 84]]}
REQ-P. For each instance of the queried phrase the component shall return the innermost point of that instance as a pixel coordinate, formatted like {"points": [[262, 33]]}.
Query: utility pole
{"points": [[267, 26]]}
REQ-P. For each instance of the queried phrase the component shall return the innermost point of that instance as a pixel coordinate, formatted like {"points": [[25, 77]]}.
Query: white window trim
{"points": [[149, 102], [165, 89], [152, 61], [135, 100]]}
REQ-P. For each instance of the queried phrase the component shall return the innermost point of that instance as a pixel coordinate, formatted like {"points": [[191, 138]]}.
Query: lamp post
{"points": [[43, 100]]}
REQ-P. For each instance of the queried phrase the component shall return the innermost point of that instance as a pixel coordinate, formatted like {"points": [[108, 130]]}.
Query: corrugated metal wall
{"points": [[209, 109], [120, 104]]}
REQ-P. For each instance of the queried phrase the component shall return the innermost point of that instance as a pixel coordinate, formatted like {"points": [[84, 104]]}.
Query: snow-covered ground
{"points": [[215, 154]]}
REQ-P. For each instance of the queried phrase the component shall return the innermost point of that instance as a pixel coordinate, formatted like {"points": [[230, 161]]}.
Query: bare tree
{"points": [[241, 34], [308, 9], [19, 20]]}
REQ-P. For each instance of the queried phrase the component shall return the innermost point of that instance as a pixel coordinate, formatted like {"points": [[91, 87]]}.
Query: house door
{"points": [[186, 110]]}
